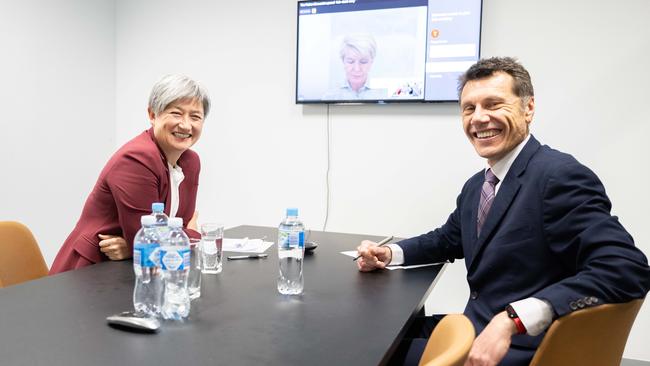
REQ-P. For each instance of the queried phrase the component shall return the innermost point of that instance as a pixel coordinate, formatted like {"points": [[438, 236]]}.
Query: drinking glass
{"points": [[211, 248], [194, 280]]}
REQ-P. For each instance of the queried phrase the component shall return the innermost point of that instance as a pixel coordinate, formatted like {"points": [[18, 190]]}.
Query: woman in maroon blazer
{"points": [[155, 166]]}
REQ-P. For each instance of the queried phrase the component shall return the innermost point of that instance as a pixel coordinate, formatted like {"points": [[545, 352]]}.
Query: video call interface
{"points": [[385, 50]]}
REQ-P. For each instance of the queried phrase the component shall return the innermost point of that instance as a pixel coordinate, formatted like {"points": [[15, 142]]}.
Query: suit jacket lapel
{"points": [[165, 182], [474, 199], [506, 194], [470, 215]]}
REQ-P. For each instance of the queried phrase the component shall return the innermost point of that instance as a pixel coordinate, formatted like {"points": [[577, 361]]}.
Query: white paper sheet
{"points": [[246, 245], [354, 254]]}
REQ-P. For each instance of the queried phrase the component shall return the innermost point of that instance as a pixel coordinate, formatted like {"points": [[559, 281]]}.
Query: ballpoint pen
{"points": [[252, 256], [381, 243]]}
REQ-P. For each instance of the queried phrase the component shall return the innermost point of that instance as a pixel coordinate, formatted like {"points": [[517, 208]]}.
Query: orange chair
{"points": [[594, 336], [20, 257], [450, 342]]}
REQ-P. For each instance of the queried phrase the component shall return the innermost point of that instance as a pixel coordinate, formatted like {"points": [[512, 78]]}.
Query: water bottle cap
{"points": [[147, 220], [157, 207], [292, 212], [175, 222]]}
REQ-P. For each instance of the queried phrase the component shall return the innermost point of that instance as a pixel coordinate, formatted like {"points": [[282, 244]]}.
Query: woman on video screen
{"points": [[357, 54]]}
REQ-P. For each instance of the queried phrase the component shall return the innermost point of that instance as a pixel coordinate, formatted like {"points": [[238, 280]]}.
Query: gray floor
{"points": [[627, 362]]}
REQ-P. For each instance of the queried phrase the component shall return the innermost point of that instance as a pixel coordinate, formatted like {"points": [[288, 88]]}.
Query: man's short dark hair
{"points": [[522, 86]]}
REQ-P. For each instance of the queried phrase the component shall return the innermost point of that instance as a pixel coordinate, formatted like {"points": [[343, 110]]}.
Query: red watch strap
{"points": [[520, 326], [512, 314]]}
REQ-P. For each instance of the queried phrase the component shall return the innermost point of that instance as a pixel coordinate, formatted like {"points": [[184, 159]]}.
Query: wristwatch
{"points": [[512, 314]]}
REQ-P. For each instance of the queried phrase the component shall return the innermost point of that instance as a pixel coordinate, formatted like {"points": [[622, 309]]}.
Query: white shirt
{"points": [[176, 176], [345, 92], [535, 314]]}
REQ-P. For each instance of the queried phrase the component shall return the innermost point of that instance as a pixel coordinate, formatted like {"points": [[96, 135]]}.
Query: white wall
{"points": [[395, 169], [57, 103]]}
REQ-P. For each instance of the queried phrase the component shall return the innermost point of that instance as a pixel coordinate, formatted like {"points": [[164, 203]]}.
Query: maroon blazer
{"points": [[136, 176]]}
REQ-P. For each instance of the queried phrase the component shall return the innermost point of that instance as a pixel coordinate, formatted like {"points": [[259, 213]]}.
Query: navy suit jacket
{"points": [[549, 235]]}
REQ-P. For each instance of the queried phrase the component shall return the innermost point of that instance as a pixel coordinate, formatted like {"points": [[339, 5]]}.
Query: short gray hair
{"points": [[171, 88], [363, 43]]}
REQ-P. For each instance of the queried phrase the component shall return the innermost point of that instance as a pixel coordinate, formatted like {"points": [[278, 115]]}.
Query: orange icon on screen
{"points": [[435, 33]]}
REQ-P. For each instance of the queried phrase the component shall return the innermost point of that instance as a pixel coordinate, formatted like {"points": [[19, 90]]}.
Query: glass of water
{"points": [[211, 248], [194, 280]]}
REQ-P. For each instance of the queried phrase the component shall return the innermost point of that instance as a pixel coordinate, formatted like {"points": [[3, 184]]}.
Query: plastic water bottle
{"points": [[162, 220], [148, 289], [175, 263], [158, 211], [291, 251]]}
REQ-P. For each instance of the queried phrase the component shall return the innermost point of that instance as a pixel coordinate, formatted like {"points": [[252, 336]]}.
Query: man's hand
{"points": [[492, 344], [114, 247], [372, 256]]}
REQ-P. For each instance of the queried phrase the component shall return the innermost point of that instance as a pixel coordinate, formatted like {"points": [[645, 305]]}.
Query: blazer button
{"points": [[580, 303], [473, 295], [594, 300], [573, 305], [588, 301]]}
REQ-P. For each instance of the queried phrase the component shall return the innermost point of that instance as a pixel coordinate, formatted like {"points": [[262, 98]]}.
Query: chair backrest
{"points": [[450, 342], [594, 336], [20, 257]]}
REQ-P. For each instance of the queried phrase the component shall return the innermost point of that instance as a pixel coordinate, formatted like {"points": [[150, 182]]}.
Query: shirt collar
{"points": [[347, 86], [500, 168], [176, 171]]}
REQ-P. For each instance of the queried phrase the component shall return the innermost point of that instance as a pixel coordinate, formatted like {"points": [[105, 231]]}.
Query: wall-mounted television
{"points": [[385, 51]]}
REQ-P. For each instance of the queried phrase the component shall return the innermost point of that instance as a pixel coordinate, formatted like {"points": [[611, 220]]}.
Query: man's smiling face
{"points": [[495, 119]]}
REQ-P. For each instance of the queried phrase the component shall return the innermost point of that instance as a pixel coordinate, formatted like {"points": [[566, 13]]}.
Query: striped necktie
{"points": [[487, 196]]}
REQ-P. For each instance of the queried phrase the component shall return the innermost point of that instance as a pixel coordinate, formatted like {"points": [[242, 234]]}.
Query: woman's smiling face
{"points": [[178, 127]]}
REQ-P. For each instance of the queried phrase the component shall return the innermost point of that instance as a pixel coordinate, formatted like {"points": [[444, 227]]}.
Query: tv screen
{"points": [[384, 51]]}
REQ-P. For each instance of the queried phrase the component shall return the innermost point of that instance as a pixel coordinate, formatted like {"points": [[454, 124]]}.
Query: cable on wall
{"points": [[327, 171]]}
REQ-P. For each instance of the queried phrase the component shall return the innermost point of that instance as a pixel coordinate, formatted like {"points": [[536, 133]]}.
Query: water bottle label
{"points": [[137, 256], [146, 254], [288, 239], [283, 239], [175, 259], [186, 259], [300, 239]]}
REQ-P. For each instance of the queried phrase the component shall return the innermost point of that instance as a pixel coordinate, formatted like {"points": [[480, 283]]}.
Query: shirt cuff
{"points": [[535, 314], [397, 257]]}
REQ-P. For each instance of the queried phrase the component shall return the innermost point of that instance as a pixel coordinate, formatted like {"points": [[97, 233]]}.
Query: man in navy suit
{"points": [[534, 227]]}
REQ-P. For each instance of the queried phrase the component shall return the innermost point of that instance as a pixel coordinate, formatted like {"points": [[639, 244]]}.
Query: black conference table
{"points": [[344, 317]]}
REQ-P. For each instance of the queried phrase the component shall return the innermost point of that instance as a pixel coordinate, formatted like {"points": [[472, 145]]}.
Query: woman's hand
{"points": [[192, 224], [114, 247]]}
